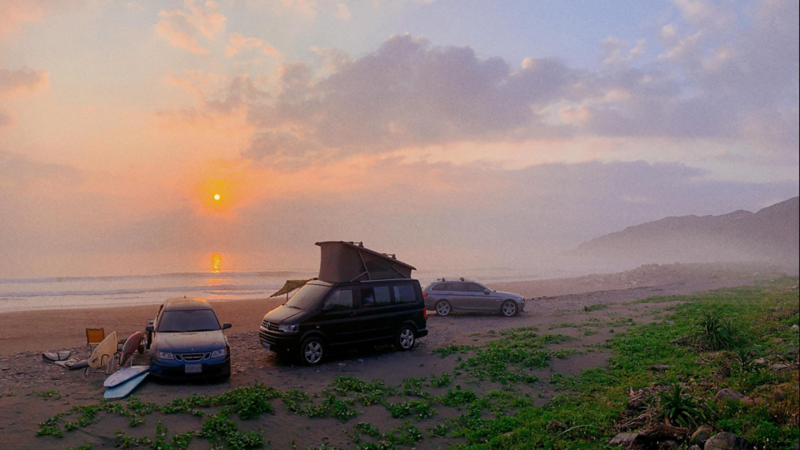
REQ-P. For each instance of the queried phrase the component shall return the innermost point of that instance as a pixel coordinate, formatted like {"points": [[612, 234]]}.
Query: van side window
{"points": [[367, 297], [341, 299], [382, 296], [404, 293]]}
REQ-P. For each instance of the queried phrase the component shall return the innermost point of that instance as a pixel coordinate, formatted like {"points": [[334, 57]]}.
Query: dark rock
{"points": [[727, 441], [623, 439], [701, 435], [728, 393], [668, 445]]}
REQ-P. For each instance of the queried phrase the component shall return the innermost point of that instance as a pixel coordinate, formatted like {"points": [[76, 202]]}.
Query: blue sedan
{"points": [[187, 341]]}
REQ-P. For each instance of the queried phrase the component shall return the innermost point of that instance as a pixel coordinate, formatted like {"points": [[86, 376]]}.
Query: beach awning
{"points": [[289, 286], [348, 261]]}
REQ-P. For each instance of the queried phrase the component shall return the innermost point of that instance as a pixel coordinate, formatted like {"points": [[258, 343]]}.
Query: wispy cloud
{"points": [[239, 43], [20, 82], [15, 82], [15, 13], [182, 28]]}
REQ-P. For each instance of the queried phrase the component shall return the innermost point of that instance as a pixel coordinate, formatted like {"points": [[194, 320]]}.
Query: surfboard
{"points": [[107, 347], [124, 375], [77, 365], [131, 345], [61, 355], [123, 389], [66, 363]]}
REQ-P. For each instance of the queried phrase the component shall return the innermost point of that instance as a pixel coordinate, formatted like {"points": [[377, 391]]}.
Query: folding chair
{"points": [[94, 336]]}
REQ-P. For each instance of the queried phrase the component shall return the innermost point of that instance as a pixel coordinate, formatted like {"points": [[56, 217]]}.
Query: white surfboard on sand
{"points": [[123, 389], [124, 375], [108, 347]]}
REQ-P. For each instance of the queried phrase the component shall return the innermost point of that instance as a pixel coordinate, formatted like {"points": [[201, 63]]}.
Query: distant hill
{"points": [[769, 235]]}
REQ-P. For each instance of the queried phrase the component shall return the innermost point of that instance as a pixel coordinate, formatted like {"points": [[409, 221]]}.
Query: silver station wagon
{"points": [[447, 296]]}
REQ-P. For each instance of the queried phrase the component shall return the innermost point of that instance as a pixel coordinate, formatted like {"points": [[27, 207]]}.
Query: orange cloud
{"points": [[181, 27], [239, 43], [15, 13], [15, 82]]}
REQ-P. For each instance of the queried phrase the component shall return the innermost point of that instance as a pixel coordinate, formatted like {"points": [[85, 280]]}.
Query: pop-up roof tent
{"points": [[350, 261]]}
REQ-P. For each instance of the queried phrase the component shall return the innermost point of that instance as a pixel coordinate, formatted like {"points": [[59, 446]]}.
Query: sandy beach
{"points": [[26, 334], [32, 331]]}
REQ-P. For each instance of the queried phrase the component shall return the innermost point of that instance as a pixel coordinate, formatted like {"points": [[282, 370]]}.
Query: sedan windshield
{"points": [[187, 321], [308, 296]]}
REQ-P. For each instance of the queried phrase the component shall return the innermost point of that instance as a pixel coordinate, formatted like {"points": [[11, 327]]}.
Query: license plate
{"points": [[265, 345], [193, 368]]}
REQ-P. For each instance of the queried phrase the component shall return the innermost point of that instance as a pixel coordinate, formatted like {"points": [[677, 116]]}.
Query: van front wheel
{"points": [[405, 338], [312, 350]]}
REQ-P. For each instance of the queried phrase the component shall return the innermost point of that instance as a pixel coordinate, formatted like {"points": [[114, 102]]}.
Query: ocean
{"points": [[24, 294]]}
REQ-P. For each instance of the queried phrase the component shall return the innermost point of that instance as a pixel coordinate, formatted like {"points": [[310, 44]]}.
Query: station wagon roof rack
{"points": [[347, 261]]}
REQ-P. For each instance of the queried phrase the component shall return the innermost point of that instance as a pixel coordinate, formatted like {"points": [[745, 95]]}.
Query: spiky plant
{"points": [[715, 332], [679, 408]]}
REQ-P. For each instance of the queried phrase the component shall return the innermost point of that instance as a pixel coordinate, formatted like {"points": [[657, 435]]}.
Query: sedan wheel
{"points": [[311, 351], [442, 308], [509, 308], [405, 338]]}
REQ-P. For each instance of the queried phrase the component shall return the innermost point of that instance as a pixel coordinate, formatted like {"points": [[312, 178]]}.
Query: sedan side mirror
{"points": [[487, 292], [150, 328], [225, 326]]}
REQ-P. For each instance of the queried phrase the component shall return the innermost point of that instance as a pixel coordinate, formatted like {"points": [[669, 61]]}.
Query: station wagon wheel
{"points": [[442, 307], [405, 338], [509, 308], [312, 350]]}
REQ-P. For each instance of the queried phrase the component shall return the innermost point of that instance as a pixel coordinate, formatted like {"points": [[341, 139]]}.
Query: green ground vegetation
{"points": [[710, 342]]}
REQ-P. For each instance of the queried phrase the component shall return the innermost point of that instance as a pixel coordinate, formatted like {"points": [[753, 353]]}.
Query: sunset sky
{"points": [[454, 133]]}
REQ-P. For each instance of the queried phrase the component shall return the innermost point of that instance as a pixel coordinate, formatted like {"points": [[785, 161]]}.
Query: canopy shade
{"points": [[289, 286], [345, 261]]}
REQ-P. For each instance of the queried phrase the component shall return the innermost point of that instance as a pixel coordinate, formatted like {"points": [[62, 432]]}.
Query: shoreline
{"points": [[55, 329]]}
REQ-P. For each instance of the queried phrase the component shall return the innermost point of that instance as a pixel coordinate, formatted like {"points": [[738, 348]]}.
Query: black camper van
{"points": [[360, 297]]}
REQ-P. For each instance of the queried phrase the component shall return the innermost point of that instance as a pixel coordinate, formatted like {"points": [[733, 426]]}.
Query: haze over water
{"points": [[216, 283]]}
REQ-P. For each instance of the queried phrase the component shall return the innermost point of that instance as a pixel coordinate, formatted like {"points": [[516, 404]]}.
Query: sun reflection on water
{"points": [[216, 263]]}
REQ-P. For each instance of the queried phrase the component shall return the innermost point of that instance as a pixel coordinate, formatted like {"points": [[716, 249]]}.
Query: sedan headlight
{"points": [[288, 328], [219, 353], [164, 355]]}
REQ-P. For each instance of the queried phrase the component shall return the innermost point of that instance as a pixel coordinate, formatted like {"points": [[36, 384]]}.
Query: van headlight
{"points": [[164, 355], [219, 353], [288, 328]]}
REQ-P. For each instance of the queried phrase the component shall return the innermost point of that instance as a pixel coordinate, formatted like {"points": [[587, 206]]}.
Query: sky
{"points": [[452, 133]]}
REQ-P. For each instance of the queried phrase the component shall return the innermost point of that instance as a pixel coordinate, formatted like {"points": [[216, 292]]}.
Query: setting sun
{"points": [[216, 196]]}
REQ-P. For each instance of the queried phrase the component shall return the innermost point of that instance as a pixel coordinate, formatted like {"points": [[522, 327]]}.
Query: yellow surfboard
{"points": [[104, 352]]}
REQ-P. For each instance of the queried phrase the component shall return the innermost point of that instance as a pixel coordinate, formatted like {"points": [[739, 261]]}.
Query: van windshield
{"points": [[308, 296]]}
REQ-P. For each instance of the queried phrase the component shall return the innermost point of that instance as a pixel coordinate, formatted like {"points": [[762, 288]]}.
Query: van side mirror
{"points": [[225, 326], [328, 306], [487, 292], [150, 328]]}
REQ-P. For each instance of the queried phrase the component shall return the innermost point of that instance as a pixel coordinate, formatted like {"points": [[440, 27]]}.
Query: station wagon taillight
{"points": [[425, 313], [424, 294]]}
